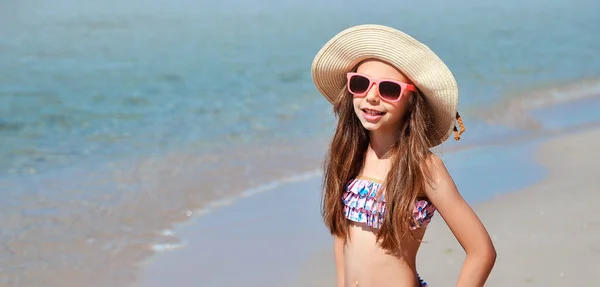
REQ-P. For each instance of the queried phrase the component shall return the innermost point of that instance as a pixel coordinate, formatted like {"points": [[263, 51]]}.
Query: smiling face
{"points": [[374, 113]]}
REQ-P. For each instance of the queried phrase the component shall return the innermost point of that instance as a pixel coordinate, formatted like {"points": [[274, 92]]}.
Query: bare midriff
{"points": [[366, 264]]}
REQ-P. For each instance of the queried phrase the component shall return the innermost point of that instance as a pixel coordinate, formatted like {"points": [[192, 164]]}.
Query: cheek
{"points": [[397, 109], [356, 103]]}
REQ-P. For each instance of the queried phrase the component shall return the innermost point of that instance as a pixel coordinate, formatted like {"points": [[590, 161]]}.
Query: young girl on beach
{"points": [[394, 100]]}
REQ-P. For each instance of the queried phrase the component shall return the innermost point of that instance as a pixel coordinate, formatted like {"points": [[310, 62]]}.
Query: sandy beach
{"points": [[545, 235], [179, 142]]}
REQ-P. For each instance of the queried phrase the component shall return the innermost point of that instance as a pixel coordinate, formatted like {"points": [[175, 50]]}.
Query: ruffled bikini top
{"points": [[363, 204]]}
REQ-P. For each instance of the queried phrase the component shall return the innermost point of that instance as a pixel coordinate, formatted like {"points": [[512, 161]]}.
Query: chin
{"points": [[370, 126]]}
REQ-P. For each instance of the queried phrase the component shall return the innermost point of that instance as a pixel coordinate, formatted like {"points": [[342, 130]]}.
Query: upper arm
{"points": [[338, 251], [456, 212]]}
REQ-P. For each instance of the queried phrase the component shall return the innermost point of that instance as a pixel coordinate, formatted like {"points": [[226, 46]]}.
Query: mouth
{"points": [[373, 113]]}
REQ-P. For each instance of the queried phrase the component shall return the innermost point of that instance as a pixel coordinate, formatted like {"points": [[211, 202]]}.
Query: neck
{"points": [[381, 142]]}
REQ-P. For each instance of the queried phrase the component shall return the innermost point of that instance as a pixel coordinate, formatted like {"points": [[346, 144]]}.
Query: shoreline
{"points": [[173, 259], [537, 230], [155, 234], [163, 129]]}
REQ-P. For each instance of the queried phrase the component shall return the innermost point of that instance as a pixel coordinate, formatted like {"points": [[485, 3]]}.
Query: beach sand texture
{"points": [[178, 142], [545, 235]]}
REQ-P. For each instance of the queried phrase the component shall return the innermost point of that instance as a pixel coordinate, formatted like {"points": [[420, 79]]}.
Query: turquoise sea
{"points": [[120, 119]]}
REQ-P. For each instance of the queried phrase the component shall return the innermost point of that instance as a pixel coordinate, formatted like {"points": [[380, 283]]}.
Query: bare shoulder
{"points": [[433, 160], [450, 204], [458, 215], [439, 175]]}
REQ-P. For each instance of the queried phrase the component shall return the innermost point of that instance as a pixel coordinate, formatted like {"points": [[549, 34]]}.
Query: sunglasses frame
{"points": [[373, 81]]}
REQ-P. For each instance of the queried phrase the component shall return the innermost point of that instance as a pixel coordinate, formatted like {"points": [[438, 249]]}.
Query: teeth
{"points": [[373, 113]]}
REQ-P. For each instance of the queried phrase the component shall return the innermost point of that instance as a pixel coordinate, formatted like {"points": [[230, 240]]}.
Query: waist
{"points": [[368, 264], [380, 274]]}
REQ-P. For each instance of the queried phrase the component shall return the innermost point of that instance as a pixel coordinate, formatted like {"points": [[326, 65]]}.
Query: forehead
{"points": [[379, 69]]}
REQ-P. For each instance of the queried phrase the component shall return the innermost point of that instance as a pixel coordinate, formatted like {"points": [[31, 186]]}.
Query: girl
{"points": [[394, 100]]}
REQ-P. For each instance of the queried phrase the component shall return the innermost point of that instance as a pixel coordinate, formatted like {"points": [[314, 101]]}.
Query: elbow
{"points": [[486, 256], [491, 255]]}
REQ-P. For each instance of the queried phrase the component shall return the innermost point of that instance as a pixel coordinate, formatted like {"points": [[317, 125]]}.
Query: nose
{"points": [[372, 95]]}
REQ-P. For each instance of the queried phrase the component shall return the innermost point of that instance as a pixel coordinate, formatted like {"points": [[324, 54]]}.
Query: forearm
{"points": [[338, 251], [476, 269]]}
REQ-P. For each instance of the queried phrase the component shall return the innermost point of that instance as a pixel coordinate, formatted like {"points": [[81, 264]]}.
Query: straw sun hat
{"points": [[348, 48]]}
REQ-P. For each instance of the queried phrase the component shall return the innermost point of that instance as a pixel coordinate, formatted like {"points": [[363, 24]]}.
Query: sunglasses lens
{"points": [[389, 90], [358, 84]]}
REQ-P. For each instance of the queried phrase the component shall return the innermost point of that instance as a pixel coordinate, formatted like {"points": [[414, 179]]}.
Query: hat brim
{"points": [[422, 66]]}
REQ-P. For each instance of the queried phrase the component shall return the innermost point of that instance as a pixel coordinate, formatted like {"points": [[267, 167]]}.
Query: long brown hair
{"points": [[404, 182]]}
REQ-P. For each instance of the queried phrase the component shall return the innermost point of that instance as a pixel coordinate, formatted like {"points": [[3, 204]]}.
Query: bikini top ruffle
{"points": [[364, 204]]}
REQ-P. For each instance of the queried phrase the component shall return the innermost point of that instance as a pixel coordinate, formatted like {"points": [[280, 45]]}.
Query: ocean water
{"points": [[119, 119]]}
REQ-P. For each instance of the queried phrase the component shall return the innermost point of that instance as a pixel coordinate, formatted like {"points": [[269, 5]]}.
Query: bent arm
{"points": [[338, 251], [464, 224]]}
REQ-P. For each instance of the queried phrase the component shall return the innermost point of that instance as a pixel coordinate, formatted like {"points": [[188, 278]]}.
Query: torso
{"points": [[367, 264]]}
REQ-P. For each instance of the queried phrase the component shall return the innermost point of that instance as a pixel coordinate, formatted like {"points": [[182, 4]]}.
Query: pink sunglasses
{"points": [[389, 90]]}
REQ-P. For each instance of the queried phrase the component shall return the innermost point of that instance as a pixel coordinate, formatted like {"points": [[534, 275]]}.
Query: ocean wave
{"points": [[515, 109]]}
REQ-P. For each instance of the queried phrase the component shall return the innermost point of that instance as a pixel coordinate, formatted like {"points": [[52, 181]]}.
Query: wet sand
{"points": [[112, 217], [264, 241], [256, 241], [545, 235], [93, 226]]}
